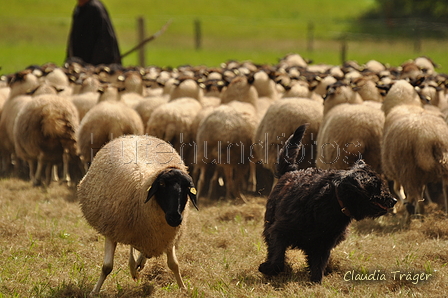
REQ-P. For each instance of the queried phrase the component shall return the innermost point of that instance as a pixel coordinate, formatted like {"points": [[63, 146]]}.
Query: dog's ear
{"points": [[359, 164]]}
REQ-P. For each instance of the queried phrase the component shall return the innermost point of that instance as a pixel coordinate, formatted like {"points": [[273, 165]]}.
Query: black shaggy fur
{"points": [[311, 209]]}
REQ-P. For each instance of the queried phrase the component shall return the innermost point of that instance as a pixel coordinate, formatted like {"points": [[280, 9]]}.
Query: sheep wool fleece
{"points": [[113, 192]]}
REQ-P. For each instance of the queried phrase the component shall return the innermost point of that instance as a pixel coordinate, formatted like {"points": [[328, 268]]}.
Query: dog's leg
{"points": [[317, 262], [275, 262]]}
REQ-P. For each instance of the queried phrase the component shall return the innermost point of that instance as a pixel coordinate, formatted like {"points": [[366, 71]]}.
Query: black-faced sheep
{"points": [[136, 193]]}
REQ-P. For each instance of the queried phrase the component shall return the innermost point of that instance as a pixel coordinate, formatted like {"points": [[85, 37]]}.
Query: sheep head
{"points": [[170, 189]]}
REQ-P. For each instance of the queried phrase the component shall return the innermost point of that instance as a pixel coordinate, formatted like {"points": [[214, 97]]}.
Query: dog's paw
{"points": [[270, 270]]}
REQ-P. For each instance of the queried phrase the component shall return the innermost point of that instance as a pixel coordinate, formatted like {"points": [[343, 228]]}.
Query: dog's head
{"points": [[363, 192]]}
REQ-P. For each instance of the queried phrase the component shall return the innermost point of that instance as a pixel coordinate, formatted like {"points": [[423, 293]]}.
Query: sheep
{"points": [[55, 76], [107, 120], [135, 193], [87, 97], [132, 94], [237, 114], [292, 60], [20, 84], [224, 140], [366, 88], [401, 92], [375, 66], [279, 122], [338, 93], [266, 90], [147, 106], [414, 153], [426, 65], [240, 89], [172, 122], [186, 87], [44, 132], [348, 133]]}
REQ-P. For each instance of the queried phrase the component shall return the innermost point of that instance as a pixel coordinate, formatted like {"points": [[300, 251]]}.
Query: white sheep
{"points": [[414, 152], [350, 132], [186, 87], [132, 93], [240, 89], [136, 193], [44, 133], [20, 84], [224, 141], [88, 95], [401, 92], [107, 120], [339, 93], [149, 105], [172, 122], [366, 88], [280, 121]]}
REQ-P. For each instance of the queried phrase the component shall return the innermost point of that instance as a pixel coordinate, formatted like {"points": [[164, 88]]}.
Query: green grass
{"points": [[35, 32]]}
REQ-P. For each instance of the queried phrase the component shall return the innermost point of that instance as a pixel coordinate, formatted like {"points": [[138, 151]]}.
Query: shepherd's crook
{"points": [[155, 35]]}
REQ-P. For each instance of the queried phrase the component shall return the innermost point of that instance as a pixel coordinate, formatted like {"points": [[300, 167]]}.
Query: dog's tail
{"points": [[290, 151]]}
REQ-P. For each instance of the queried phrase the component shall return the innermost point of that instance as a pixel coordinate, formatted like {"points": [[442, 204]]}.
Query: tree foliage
{"points": [[406, 18]]}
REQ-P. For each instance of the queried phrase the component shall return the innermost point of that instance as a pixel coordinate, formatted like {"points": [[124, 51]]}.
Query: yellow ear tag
{"points": [[149, 188], [193, 190]]}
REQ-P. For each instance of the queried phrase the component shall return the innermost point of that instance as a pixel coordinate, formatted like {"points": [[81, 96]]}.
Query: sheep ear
{"points": [[192, 194], [152, 190]]}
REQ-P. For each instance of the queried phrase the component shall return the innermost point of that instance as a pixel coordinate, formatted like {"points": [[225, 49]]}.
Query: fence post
{"points": [[198, 34], [343, 50], [141, 37], [310, 39]]}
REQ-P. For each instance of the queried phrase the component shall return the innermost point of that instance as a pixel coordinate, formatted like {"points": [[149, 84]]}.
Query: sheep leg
{"points": [[201, 178], [65, 166], [213, 183], [445, 198], [38, 175], [32, 167], [420, 208], [173, 264], [108, 264], [48, 170], [136, 267], [228, 176], [398, 189], [54, 174], [252, 177], [231, 188]]}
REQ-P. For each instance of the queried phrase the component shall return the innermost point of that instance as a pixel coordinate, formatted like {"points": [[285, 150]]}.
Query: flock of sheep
{"points": [[227, 125]]}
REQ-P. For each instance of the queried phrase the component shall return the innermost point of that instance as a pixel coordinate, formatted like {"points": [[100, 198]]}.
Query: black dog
{"points": [[311, 209]]}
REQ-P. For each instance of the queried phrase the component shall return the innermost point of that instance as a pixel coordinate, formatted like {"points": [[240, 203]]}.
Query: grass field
{"points": [[47, 249], [35, 32]]}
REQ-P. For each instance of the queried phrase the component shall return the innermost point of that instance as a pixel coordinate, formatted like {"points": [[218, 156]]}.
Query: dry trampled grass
{"points": [[48, 250]]}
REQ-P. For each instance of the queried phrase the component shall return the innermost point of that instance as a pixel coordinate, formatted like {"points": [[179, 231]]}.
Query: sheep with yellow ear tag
{"points": [[137, 192]]}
